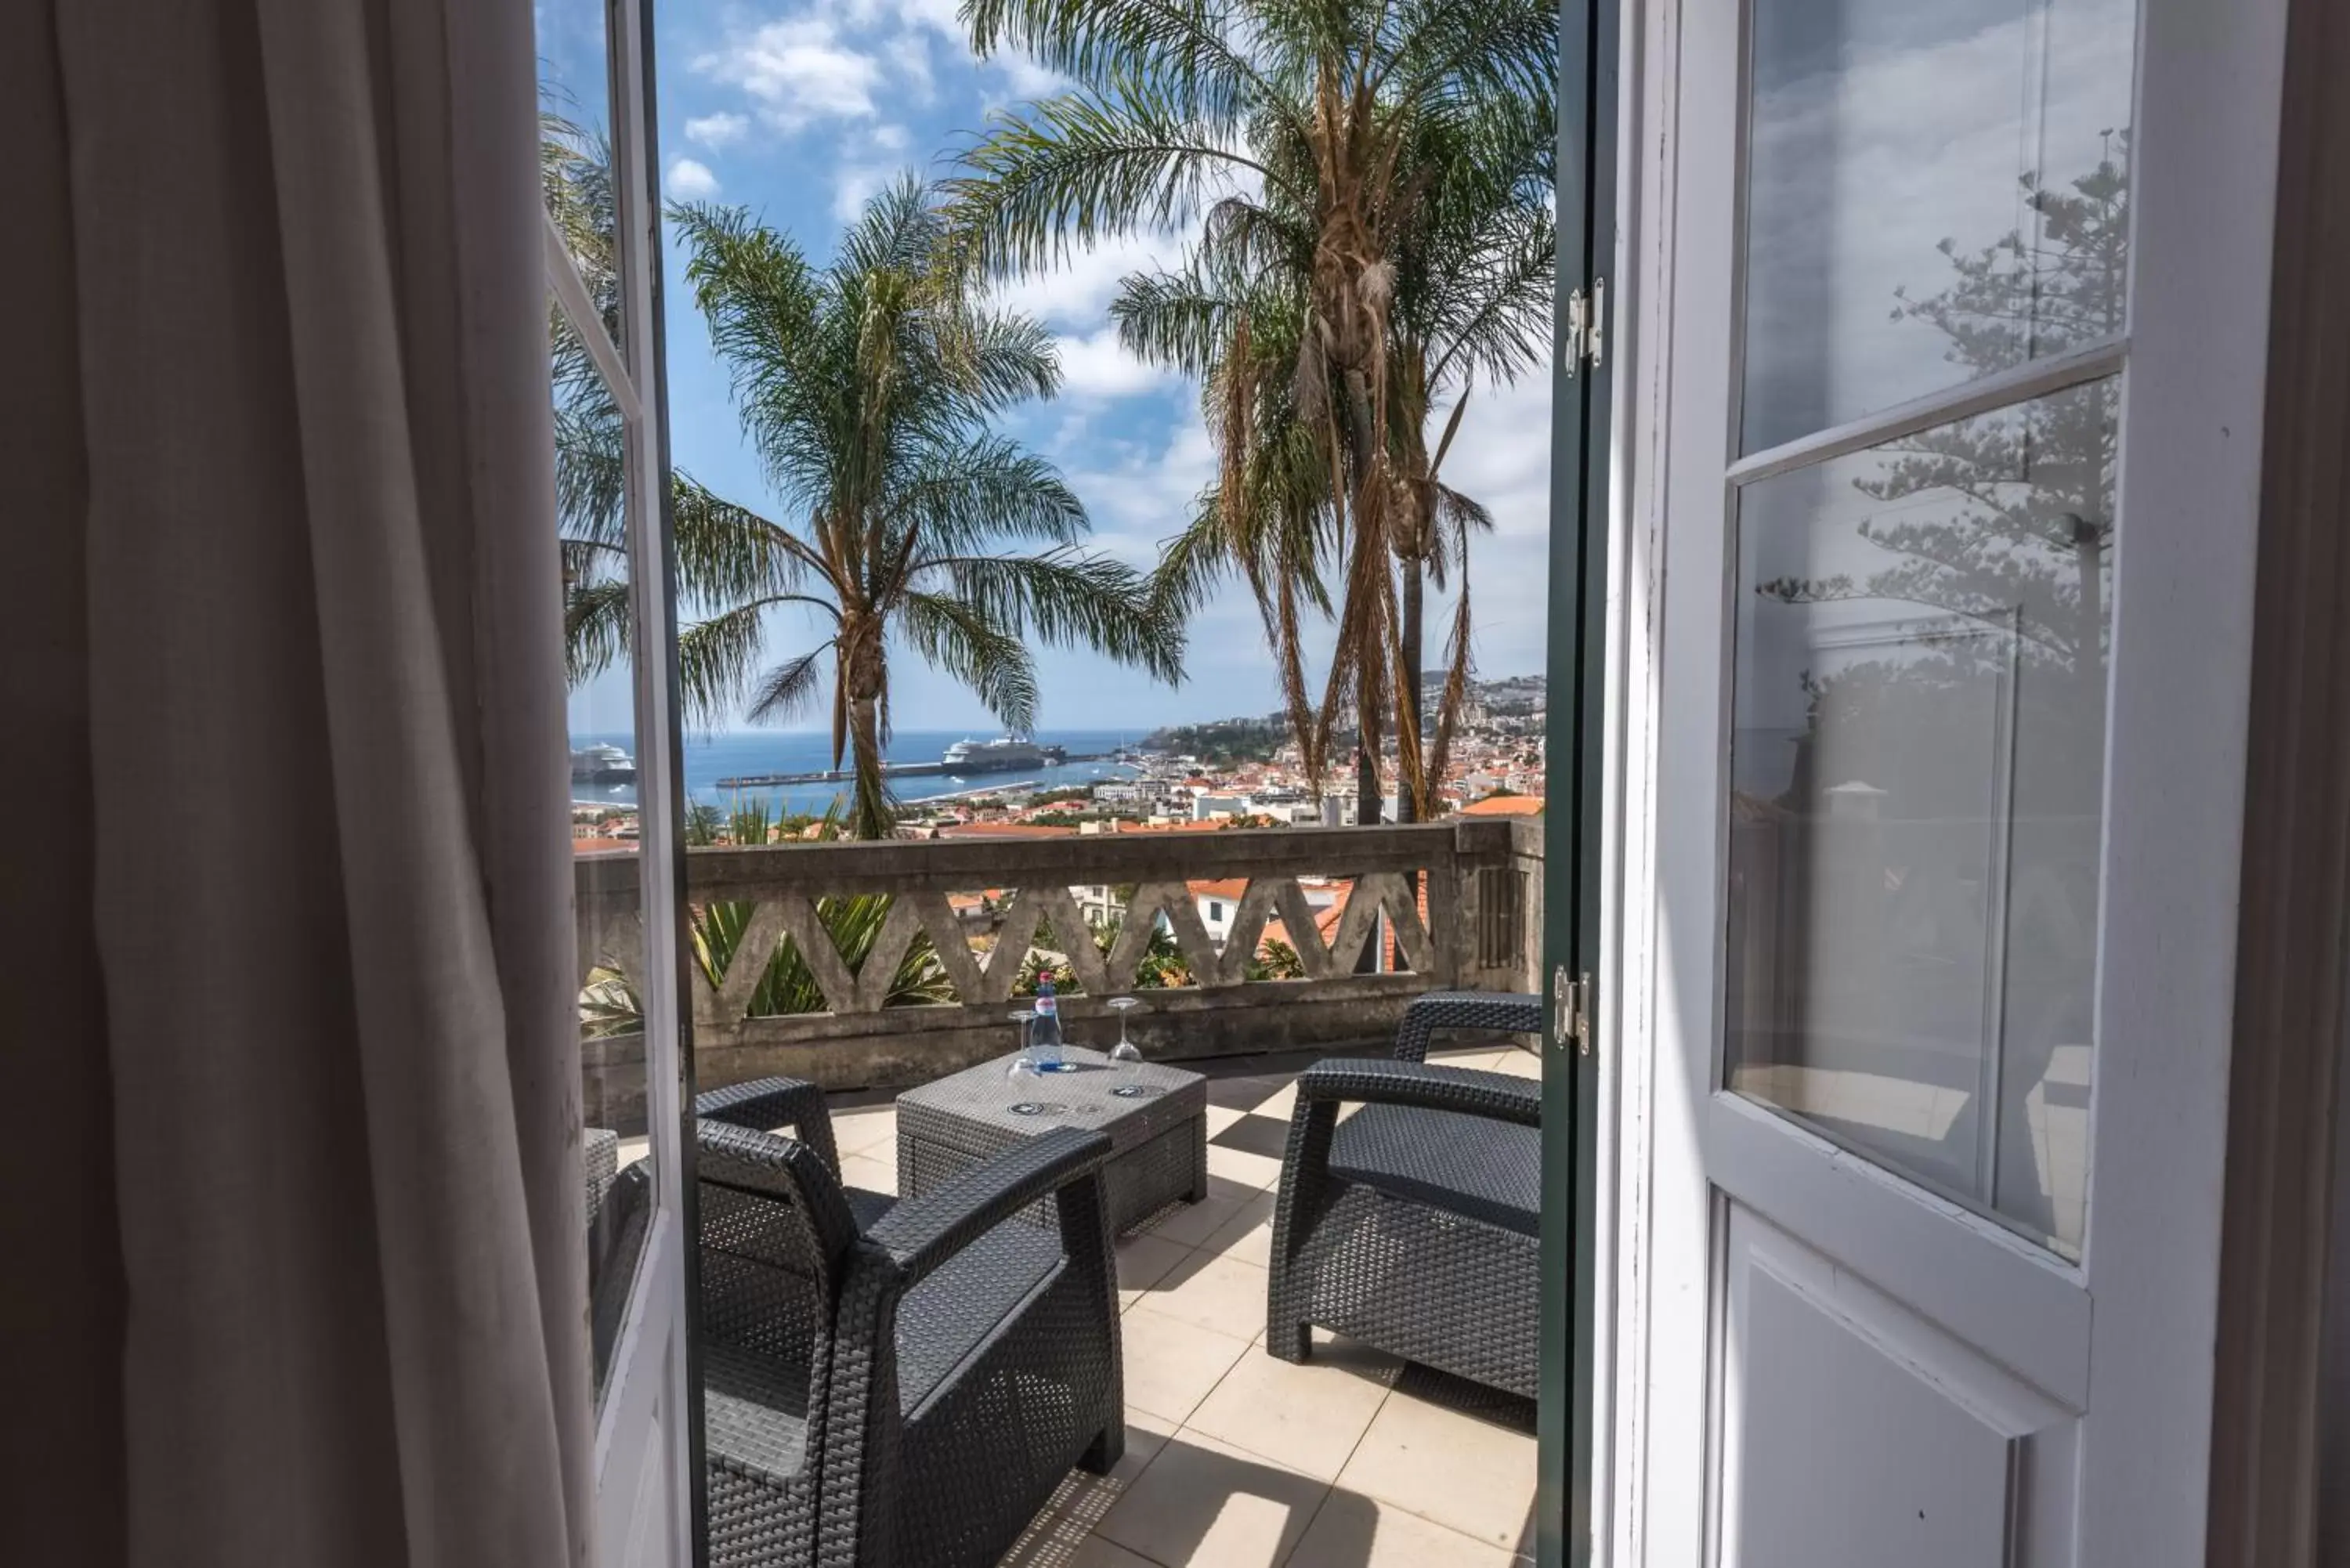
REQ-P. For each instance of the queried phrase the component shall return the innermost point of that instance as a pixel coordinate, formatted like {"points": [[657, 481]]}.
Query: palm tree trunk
{"points": [[1368, 806], [872, 813], [1363, 430], [1408, 691]]}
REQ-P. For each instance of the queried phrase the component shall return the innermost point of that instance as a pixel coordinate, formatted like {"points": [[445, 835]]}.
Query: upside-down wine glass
{"points": [[1125, 1056], [1024, 1066]]}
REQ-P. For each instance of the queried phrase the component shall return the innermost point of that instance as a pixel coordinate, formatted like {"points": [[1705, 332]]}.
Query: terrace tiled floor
{"points": [[1234, 1459]]}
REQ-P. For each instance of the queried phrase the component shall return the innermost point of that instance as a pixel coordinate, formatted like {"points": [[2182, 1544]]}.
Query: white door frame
{"points": [[2204, 164]]}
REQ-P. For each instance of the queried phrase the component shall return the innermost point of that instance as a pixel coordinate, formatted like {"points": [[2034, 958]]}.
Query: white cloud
{"points": [[798, 72], [865, 162], [1026, 79], [934, 15], [911, 52], [716, 130], [1096, 365], [692, 182], [1138, 497], [853, 187], [1077, 292], [835, 59]]}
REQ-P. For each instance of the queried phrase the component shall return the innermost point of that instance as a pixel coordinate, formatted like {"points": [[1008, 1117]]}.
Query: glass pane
{"points": [[576, 164], [1917, 800], [1936, 189], [591, 462]]}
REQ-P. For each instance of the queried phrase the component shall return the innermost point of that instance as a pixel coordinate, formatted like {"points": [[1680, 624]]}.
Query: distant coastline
{"points": [[709, 758]]}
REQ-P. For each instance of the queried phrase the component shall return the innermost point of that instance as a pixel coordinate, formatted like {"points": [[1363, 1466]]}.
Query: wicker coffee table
{"points": [[1158, 1138]]}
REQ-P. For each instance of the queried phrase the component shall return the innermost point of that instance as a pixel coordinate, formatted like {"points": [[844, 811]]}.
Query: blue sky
{"points": [[799, 110]]}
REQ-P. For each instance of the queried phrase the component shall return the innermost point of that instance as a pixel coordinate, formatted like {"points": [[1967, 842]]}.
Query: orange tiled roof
{"points": [[1506, 805]]}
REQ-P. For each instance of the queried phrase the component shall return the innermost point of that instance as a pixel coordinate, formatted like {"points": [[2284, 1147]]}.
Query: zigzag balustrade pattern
{"points": [[1046, 921], [1439, 904]]}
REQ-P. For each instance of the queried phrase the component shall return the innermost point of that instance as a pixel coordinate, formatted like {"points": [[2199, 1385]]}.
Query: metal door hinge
{"points": [[1571, 1015], [1586, 319]]}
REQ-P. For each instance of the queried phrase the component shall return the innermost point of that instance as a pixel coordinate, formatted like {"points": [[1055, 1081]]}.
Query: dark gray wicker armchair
{"points": [[1414, 1225], [895, 1382]]}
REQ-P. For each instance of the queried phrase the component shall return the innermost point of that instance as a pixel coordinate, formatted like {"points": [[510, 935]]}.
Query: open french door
{"points": [[603, 249], [1940, 623], [1582, 382]]}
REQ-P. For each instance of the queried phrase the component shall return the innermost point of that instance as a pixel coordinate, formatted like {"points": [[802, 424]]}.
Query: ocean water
{"points": [[709, 758]]}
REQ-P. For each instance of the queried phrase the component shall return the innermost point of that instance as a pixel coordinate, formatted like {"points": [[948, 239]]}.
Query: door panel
{"points": [[1864, 1434]]}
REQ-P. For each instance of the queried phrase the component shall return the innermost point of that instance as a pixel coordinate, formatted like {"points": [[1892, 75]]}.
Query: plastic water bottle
{"points": [[1044, 1033]]}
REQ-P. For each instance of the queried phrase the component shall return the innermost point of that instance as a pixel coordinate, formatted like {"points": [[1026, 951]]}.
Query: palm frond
{"points": [[728, 554], [964, 641], [790, 687], [714, 660], [1067, 598], [595, 615], [956, 497], [1058, 176]]}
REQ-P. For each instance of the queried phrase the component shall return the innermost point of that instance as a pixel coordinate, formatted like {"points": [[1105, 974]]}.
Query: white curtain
{"points": [[294, 1260]]}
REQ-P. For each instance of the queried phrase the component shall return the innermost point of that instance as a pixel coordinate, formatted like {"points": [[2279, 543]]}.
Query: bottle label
{"points": [[1047, 1007]]}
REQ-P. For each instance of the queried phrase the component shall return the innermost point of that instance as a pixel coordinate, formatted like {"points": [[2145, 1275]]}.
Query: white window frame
{"points": [[634, 1442]]}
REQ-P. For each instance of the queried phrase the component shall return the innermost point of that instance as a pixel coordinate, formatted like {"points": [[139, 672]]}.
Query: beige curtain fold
{"points": [[304, 740]]}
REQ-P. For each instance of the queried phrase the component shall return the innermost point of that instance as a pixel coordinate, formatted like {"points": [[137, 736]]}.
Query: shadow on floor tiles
{"points": [[1215, 1482], [1055, 1537]]}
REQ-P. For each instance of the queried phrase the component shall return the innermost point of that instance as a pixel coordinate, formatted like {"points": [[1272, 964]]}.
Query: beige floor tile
{"points": [[1356, 1532], [857, 1131], [1254, 1171], [1170, 1365], [1247, 1236], [1468, 1474], [1308, 1417], [1204, 1504], [1193, 1223], [1222, 1117], [1520, 1064], [1142, 1262], [1062, 1534], [1281, 1105], [876, 1169], [1211, 1291]]}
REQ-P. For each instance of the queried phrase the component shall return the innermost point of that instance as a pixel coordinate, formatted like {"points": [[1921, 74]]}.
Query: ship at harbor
{"points": [[1005, 753], [602, 764]]}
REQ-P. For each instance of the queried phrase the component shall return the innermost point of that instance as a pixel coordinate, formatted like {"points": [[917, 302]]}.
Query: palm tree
{"points": [[1322, 144], [722, 555], [867, 389]]}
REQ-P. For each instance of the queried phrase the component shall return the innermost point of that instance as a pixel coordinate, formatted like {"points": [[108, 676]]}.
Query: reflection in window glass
{"points": [[576, 146], [1916, 797], [592, 466], [1936, 189]]}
